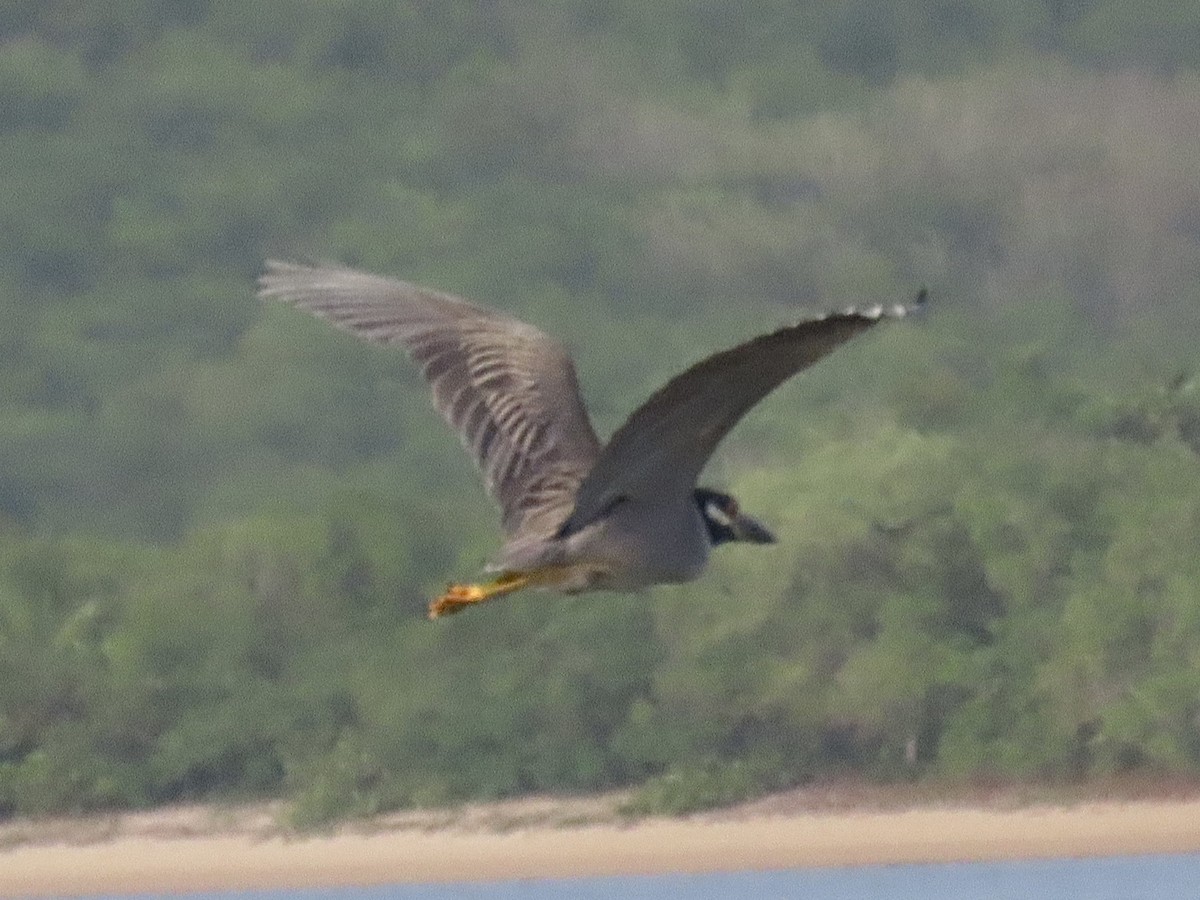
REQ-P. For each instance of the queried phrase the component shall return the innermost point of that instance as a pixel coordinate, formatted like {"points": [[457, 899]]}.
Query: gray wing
{"points": [[508, 389], [663, 446]]}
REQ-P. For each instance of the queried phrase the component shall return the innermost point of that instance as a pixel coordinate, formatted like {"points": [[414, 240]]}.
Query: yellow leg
{"points": [[459, 596]]}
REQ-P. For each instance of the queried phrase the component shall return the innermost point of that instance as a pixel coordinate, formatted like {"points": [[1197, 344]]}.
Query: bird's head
{"points": [[726, 522]]}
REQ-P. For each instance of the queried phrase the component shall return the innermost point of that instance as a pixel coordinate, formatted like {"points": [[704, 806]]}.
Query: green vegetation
{"points": [[220, 524]]}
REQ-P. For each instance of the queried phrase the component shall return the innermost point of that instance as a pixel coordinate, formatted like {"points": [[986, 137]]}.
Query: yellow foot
{"points": [[456, 598], [460, 596]]}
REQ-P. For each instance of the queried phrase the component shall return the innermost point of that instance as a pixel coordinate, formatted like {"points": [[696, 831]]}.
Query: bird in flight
{"points": [[577, 514]]}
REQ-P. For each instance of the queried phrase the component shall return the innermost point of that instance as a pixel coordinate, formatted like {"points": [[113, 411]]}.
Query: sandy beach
{"points": [[206, 848]]}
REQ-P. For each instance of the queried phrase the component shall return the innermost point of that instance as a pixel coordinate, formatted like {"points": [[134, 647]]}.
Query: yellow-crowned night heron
{"points": [[577, 515]]}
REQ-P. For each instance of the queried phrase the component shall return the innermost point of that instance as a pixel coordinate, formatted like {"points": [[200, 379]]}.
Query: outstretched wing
{"points": [[663, 446], [508, 389]]}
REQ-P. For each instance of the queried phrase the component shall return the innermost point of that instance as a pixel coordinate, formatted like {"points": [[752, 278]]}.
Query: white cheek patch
{"points": [[718, 514]]}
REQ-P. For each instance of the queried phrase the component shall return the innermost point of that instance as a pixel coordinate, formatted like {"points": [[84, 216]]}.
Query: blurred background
{"points": [[220, 523]]}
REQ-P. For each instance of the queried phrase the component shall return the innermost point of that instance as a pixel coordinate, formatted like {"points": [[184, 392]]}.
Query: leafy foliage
{"points": [[220, 523]]}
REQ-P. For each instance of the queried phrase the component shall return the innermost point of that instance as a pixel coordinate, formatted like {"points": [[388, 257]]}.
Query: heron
{"points": [[577, 514]]}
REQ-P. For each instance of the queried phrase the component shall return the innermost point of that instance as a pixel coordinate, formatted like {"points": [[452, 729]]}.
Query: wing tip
{"points": [[884, 310], [273, 282], [290, 281]]}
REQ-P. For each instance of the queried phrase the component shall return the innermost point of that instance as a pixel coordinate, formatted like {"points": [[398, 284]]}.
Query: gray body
{"points": [[644, 541], [621, 515]]}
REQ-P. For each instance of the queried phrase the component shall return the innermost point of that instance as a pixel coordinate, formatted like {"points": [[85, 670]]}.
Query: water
{"points": [[1114, 878]]}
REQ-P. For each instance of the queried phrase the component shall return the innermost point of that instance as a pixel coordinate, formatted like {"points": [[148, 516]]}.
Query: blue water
{"points": [[1113, 878]]}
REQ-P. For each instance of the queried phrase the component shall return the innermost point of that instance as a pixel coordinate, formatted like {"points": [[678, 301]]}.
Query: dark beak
{"points": [[751, 530]]}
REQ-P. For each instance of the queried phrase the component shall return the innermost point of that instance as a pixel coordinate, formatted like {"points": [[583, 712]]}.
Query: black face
{"points": [[726, 522]]}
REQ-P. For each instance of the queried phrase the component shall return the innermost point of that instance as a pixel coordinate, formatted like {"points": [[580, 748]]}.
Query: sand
{"points": [[201, 848]]}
